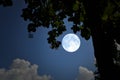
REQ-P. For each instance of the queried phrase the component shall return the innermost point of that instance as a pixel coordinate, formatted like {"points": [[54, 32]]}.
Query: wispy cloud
{"points": [[85, 74], [22, 70]]}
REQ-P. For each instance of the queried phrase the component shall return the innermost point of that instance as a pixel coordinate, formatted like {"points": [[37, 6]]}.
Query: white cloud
{"points": [[85, 74], [22, 70]]}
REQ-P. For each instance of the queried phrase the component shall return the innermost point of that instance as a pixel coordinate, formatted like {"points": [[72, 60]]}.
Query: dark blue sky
{"points": [[14, 43]]}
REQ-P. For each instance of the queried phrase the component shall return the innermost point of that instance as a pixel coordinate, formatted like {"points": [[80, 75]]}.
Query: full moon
{"points": [[71, 42]]}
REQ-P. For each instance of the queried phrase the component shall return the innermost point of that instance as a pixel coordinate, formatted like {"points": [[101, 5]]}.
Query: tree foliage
{"points": [[52, 13], [6, 3], [48, 13]]}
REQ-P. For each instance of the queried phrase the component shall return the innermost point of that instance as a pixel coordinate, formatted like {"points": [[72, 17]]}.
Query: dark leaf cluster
{"points": [[51, 13], [6, 3]]}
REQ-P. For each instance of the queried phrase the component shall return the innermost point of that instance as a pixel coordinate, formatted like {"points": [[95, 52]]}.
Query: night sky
{"points": [[22, 57]]}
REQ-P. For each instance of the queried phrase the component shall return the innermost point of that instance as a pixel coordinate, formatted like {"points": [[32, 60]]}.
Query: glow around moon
{"points": [[71, 42]]}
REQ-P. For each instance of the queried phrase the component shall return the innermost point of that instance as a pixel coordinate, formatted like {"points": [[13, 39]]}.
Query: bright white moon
{"points": [[71, 42]]}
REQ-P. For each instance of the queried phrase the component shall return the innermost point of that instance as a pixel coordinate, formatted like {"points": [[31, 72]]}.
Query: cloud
{"points": [[22, 70], [85, 74]]}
